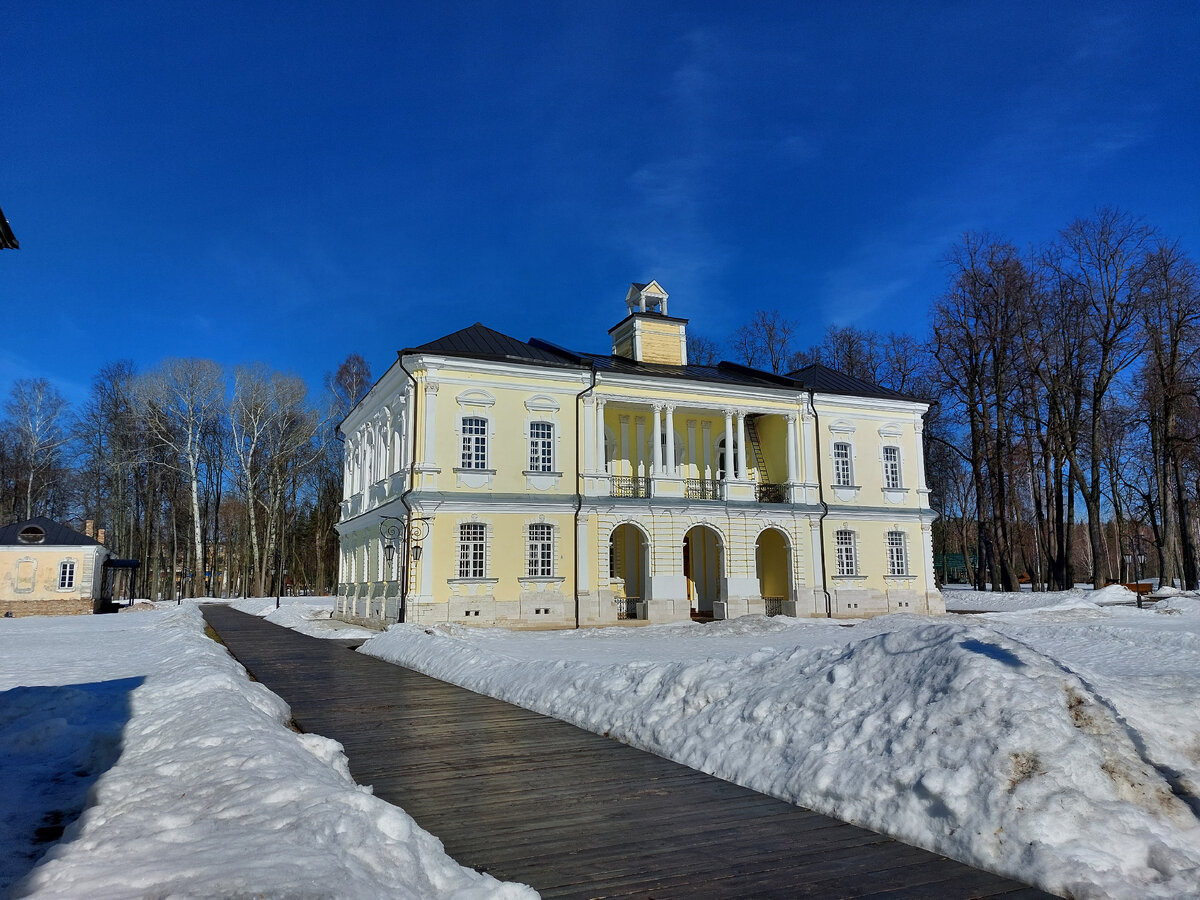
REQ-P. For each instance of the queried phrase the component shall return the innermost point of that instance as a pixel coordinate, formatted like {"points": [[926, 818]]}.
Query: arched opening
{"points": [[628, 562], [702, 566], [773, 559], [723, 464]]}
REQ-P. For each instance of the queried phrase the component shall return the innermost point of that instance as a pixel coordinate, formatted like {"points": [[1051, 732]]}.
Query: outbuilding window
{"points": [[66, 575]]}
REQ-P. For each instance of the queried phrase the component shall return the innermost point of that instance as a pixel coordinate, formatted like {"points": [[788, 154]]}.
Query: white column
{"points": [[582, 555], [793, 469], [670, 460], [818, 562], [706, 469], [589, 436], [641, 448], [656, 442], [808, 423], [921, 486], [347, 469], [431, 391], [743, 472], [625, 455], [691, 445], [600, 463], [729, 460]]}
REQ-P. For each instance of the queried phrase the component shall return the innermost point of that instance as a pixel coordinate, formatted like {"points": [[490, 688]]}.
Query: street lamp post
{"points": [[411, 533]]}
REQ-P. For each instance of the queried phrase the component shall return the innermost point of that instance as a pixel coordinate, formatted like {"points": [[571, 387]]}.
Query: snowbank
{"points": [[190, 785], [946, 734], [970, 600], [308, 615]]}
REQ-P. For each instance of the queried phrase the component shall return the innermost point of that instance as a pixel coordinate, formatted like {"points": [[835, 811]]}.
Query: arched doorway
{"points": [[702, 567], [773, 559], [628, 563]]}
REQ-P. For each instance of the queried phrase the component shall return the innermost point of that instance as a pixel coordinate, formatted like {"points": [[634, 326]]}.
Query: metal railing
{"points": [[774, 605], [630, 486], [770, 493], [702, 489], [627, 607]]}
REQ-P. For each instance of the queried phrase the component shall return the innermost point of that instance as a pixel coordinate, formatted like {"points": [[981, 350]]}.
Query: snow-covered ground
{"points": [[970, 600], [189, 781], [1060, 746]]}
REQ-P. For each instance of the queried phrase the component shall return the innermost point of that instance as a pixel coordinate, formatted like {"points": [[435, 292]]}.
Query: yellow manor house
{"points": [[493, 481]]}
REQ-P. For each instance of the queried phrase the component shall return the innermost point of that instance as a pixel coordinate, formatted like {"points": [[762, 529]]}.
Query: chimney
{"points": [[89, 527], [100, 536]]}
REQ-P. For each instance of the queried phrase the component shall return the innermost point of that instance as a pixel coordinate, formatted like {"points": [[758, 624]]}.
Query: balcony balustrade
{"points": [[630, 486], [771, 493], [702, 489]]}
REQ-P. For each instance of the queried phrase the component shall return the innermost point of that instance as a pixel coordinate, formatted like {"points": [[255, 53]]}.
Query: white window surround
{"points": [[66, 575], [890, 456], [846, 551], [897, 554], [26, 569], [472, 550], [539, 550]]}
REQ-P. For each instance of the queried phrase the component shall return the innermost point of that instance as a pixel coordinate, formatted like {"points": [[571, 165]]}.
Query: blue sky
{"points": [[290, 183]]}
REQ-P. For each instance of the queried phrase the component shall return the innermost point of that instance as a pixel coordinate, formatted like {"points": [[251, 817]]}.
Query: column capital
{"points": [[431, 387], [791, 418]]}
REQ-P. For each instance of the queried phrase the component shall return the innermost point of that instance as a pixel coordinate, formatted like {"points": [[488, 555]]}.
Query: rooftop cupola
{"points": [[648, 334]]}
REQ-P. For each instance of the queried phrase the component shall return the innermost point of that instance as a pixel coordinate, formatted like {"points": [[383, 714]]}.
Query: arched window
{"points": [[721, 461]]}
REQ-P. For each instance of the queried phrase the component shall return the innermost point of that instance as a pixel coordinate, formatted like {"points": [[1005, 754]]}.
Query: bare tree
{"points": [[765, 342], [1098, 265], [184, 397], [702, 351], [36, 410]]}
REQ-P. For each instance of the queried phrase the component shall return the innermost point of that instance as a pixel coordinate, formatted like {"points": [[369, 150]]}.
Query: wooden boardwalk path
{"points": [[532, 799]]}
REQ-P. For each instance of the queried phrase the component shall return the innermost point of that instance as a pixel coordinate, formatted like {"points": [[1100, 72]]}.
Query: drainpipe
{"points": [[412, 482], [579, 488], [812, 403]]}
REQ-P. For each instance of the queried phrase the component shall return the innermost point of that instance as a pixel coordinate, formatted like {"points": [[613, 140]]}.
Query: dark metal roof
{"points": [[8, 240], [481, 342], [57, 535], [830, 381]]}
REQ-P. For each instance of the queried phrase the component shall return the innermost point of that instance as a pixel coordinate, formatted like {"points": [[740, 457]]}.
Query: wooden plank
{"points": [[575, 814]]}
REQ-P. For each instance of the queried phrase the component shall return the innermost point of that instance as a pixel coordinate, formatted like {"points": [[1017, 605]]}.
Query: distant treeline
{"points": [[1064, 440], [220, 482]]}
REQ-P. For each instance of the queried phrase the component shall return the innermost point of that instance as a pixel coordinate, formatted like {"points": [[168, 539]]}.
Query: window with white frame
{"points": [[541, 447], [847, 561], [472, 550], [474, 442], [891, 467], [66, 575], [843, 475], [897, 553], [541, 551]]}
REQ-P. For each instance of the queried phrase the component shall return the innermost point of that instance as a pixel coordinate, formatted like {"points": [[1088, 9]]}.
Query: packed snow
{"points": [[140, 761], [1060, 746]]}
